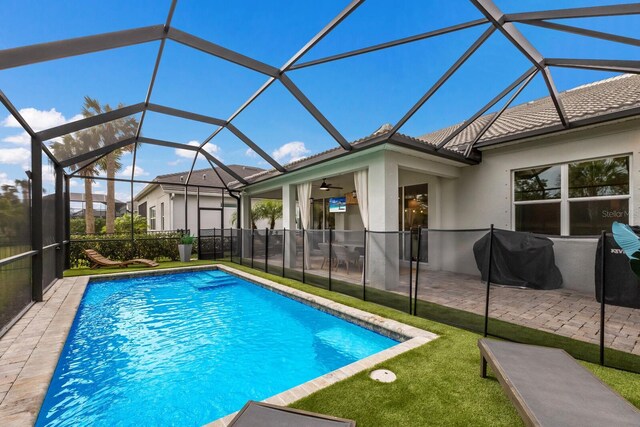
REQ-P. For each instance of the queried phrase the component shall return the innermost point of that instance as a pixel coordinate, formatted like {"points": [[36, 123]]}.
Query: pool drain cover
{"points": [[383, 375]]}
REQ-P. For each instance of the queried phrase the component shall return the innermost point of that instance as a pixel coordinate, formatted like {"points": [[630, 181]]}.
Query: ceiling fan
{"points": [[326, 187]]}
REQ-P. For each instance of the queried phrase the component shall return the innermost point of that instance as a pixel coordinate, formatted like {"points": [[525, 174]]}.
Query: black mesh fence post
{"points": [[231, 244], [415, 287], [364, 267], [252, 239], [410, 270], [486, 306], [303, 266], [266, 250], [284, 251], [602, 292], [330, 257]]}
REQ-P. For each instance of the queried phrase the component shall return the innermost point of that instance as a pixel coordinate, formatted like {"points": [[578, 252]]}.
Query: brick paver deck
{"points": [[29, 351], [561, 311]]}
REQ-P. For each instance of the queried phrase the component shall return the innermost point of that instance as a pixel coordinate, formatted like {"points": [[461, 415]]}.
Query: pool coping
{"points": [[45, 327]]}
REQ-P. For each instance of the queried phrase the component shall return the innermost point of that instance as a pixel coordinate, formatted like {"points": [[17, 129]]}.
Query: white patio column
{"points": [[245, 224], [289, 222], [383, 267]]}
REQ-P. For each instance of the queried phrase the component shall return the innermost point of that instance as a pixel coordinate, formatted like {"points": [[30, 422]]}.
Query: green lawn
{"points": [[438, 383], [169, 264]]}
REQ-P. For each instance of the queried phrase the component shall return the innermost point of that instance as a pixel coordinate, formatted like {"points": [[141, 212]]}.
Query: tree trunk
{"points": [[89, 219], [111, 197]]}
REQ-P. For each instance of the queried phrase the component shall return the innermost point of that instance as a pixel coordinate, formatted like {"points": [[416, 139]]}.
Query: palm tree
{"points": [[106, 134], [270, 210], [73, 145]]}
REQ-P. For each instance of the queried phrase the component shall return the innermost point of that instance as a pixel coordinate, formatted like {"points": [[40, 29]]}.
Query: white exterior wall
{"points": [[484, 193], [174, 210]]}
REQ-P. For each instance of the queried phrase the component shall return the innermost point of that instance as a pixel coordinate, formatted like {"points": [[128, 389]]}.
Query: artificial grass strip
{"points": [[169, 264]]}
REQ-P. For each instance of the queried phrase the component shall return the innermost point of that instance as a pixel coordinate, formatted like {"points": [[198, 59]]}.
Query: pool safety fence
{"points": [[449, 276], [446, 276]]}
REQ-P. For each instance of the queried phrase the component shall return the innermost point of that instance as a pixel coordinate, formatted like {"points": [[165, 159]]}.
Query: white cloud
{"points": [[290, 152], [250, 153], [188, 154], [4, 179], [126, 172], [15, 156], [38, 120], [20, 139], [210, 148], [175, 162]]}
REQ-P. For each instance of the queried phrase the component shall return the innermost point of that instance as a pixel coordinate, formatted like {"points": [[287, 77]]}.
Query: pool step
{"points": [[217, 283]]}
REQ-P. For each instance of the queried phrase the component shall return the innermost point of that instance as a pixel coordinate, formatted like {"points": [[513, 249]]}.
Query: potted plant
{"points": [[184, 247]]}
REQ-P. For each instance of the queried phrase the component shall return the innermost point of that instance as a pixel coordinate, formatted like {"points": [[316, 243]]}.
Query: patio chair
{"points": [[324, 250], [344, 256], [259, 414], [549, 388], [99, 260]]}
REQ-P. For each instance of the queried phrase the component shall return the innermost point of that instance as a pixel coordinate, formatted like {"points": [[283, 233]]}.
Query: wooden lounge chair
{"points": [[259, 414], [549, 388], [99, 260]]}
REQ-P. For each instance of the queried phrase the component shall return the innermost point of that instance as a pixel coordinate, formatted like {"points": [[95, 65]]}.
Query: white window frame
{"points": [[162, 216], [565, 200], [152, 218]]}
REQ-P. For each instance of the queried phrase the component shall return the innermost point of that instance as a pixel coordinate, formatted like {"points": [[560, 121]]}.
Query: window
{"points": [[152, 217], [413, 207], [162, 216], [577, 199]]}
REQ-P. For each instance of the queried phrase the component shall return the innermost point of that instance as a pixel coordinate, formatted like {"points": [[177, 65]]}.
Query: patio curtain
{"points": [[304, 202], [361, 181]]}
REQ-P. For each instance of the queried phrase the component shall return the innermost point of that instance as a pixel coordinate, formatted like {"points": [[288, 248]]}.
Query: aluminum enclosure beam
{"points": [[25, 126], [164, 143], [154, 74], [16, 57], [90, 121], [484, 109], [222, 166], [308, 105], [585, 32], [185, 114], [350, 8], [578, 12], [621, 66], [98, 152], [221, 52], [498, 114], [442, 80], [244, 138], [393, 43], [497, 18]]}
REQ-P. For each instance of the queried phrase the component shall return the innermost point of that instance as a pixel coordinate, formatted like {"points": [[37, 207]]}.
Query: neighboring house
{"points": [[163, 203], [77, 202], [526, 172]]}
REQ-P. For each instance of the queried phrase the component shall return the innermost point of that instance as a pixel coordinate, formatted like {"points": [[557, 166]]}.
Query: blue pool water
{"points": [[186, 349]]}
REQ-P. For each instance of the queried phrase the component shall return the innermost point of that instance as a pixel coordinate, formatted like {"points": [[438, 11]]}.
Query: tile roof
{"points": [[589, 101]]}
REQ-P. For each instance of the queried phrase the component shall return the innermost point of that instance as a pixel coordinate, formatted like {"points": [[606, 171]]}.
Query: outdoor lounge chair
{"points": [[549, 388], [344, 256], [99, 260], [258, 414]]}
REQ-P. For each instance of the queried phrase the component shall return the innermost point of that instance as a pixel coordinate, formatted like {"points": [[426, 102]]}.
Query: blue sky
{"points": [[358, 94]]}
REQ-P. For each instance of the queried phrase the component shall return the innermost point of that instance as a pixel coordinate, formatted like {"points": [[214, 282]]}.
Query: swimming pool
{"points": [[186, 349]]}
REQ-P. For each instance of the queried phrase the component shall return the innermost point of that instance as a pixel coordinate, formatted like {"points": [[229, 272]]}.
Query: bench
{"points": [[260, 414], [549, 388]]}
